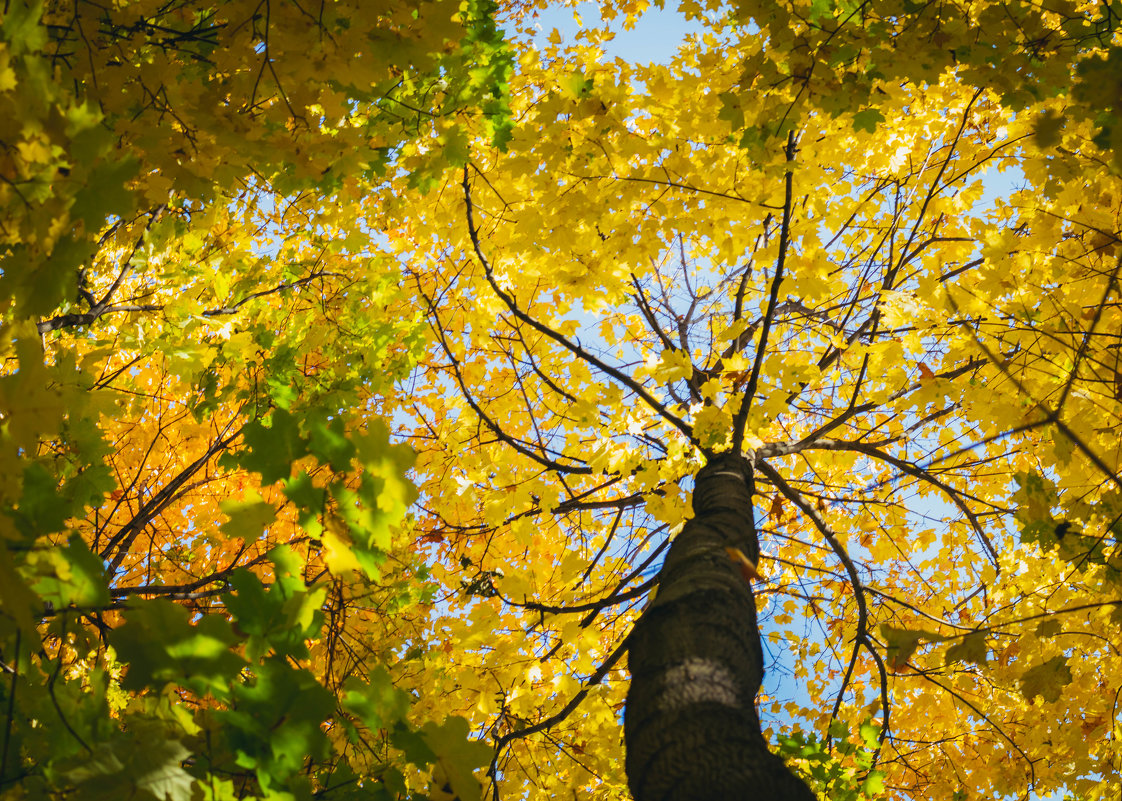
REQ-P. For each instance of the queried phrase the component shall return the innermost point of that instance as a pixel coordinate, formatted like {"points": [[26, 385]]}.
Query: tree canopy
{"points": [[361, 360]]}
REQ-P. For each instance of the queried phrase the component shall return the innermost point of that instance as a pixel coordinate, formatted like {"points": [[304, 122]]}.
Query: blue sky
{"points": [[655, 38]]}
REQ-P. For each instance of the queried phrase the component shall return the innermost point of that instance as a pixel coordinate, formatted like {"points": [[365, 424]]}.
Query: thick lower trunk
{"points": [[690, 727]]}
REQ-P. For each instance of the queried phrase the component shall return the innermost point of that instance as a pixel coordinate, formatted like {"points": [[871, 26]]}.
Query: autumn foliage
{"points": [[360, 360]]}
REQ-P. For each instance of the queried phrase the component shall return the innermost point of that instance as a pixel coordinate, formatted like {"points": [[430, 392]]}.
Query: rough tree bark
{"points": [[691, 730]]}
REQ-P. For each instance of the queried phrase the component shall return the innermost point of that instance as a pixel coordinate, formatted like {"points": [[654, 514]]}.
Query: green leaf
{"points": [[272, 450], [576, 85], [1034, 497], [820, 9], [104, 761], [20, 26], [412, 745], [77, 577], [118, 769], [17, 601], [458, 755], [42, 289], [160, 644], [275, 724], [280, 619], [902, 643], [219, 789], [867, 120], [456, 146], [731, 110], [105, 194], [157, 768], [972, 648], [1046, 680], [248, 518], [873, 784], [308, 498], [89, 140], [39, 510], [328, 441], [1048, 628], [376, 702]]}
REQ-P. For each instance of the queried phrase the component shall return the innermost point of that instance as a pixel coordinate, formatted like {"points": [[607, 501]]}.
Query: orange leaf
{"points": [[777, 511], [746, 565]]}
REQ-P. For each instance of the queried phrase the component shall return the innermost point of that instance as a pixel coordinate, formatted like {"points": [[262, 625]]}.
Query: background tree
{"points": [[1058, 61], [200, 504]]}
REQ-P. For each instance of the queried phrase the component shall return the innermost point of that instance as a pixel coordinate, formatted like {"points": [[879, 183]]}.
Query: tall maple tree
{"points": [[793, 283], [907, 360]]}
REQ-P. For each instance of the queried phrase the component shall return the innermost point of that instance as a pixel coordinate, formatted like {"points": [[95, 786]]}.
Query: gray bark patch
{"points": [[696, 681]]}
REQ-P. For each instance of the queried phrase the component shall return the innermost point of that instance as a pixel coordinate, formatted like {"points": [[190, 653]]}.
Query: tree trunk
{"points": [[690, 727]]}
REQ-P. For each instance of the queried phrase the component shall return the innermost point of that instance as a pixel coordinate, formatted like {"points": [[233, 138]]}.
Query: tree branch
{"points": [[572, 347], [741, 418]]}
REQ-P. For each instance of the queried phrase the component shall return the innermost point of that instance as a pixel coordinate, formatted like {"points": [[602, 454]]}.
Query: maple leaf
{"points": [[972, 648], [903, 643], [1047, 679]]}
